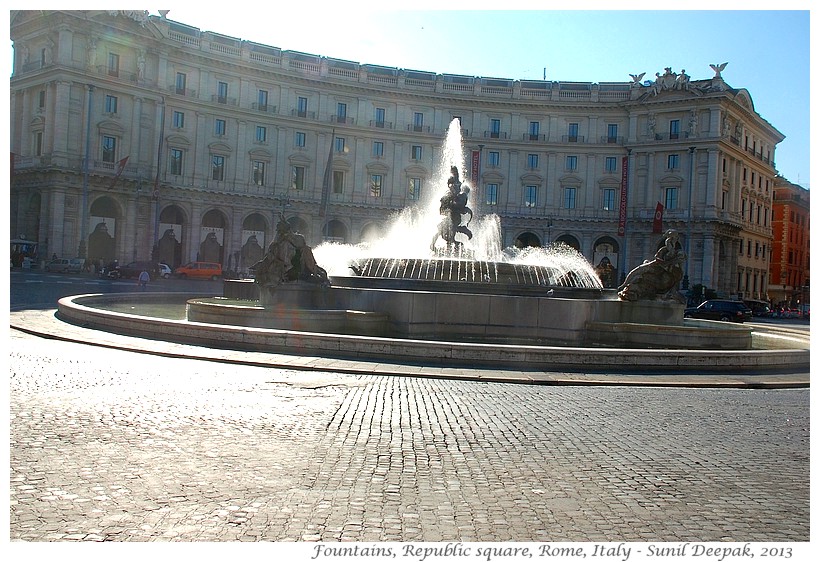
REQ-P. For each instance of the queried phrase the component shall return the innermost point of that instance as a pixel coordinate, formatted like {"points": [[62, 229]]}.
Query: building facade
{"points": [[790, 245], [134, 136]]}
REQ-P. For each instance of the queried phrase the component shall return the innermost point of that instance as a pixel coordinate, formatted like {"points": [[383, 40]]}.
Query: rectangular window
{"points": [[494, 159], [572, 163], [611, 164], [569, 197], [378, 149], [609, 199], [532, 161], [109, 149], [219, 127], [415, 152], [175, 162], [338, 181], [723, 200], [38, 143], [572, 132], [415, 189], [110, 104], [376, 185], [673, 162], [495, 128], [341, 112], [674, 128], [297, 177], [262, 100], [181, 83], [222, 92], [113, 64], [340, 144], [258, 172], [530, 192], [178, 120], [41, 99], [535, 129], [379, 117], [492, 194], [261, 133], [300, 139], [217, 167], [418, 121], [301, 107], [671, 198], [612, 133]]}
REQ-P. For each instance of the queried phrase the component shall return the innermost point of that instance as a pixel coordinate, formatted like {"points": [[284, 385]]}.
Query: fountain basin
{"points": [[773, 350]]}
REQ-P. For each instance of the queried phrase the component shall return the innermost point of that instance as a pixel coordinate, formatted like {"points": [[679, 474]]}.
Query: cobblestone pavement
{"points": [[109, 445]]}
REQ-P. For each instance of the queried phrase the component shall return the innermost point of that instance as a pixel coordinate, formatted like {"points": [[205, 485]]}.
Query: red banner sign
{"points": [[657, 223], [624, 187], [475, 162]]}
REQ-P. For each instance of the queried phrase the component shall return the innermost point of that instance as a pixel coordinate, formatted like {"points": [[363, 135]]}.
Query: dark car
{"points": [[133, 269], [724, 310]]}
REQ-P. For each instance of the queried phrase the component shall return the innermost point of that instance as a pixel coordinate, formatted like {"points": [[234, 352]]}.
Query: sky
{"points": [[767, 51]]}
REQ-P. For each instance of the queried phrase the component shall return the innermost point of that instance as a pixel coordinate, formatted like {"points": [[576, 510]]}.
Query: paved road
{"points": [[108, 445]]}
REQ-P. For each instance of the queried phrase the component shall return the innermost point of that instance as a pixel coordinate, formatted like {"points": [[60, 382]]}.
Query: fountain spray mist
{"points": [[410, 232]]}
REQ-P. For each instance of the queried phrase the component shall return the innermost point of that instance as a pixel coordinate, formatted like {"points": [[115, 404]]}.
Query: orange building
{"points": [[789, 269]]}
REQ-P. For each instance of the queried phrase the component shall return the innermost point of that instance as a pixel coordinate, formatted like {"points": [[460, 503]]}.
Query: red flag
{"points": [[120, 167], [657, 223]]}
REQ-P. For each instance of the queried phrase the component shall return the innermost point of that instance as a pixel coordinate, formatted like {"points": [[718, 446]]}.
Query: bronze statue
{"points": [[658, 278], [288, 259], [453, 205]]}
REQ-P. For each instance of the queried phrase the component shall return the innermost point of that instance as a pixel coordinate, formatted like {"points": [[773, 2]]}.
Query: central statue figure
{"points": [[453, 206]]}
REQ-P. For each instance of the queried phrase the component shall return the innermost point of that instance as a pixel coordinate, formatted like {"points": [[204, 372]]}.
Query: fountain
{"points": [[439, 288]]}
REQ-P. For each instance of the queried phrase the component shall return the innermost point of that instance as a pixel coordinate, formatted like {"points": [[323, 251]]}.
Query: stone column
{"points": [[56, 236], [60, 123], [129, 239], [133, 152], [194, 237], [707, 277]]}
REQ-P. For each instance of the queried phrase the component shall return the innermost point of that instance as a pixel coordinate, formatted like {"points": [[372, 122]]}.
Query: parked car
{"points": [[759, 308], [133, 269], [200, 270], [724, 310], [65, 265], [165, 271]]}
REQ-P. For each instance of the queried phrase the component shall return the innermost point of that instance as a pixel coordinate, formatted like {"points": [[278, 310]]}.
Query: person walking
{"points": [[143, 279]]}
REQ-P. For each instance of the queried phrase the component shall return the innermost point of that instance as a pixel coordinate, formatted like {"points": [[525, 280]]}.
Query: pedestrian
{"points": [[143, 279]]}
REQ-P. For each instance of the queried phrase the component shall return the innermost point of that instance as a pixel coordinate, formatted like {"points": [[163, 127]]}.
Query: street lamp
{"points": [[783, 277]]}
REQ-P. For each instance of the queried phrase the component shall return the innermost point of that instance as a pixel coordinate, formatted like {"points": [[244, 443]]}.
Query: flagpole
{"points": [[328, 176]]}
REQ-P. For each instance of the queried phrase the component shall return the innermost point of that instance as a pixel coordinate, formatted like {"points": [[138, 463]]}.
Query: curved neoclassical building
{"points": [[187, 144]]}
